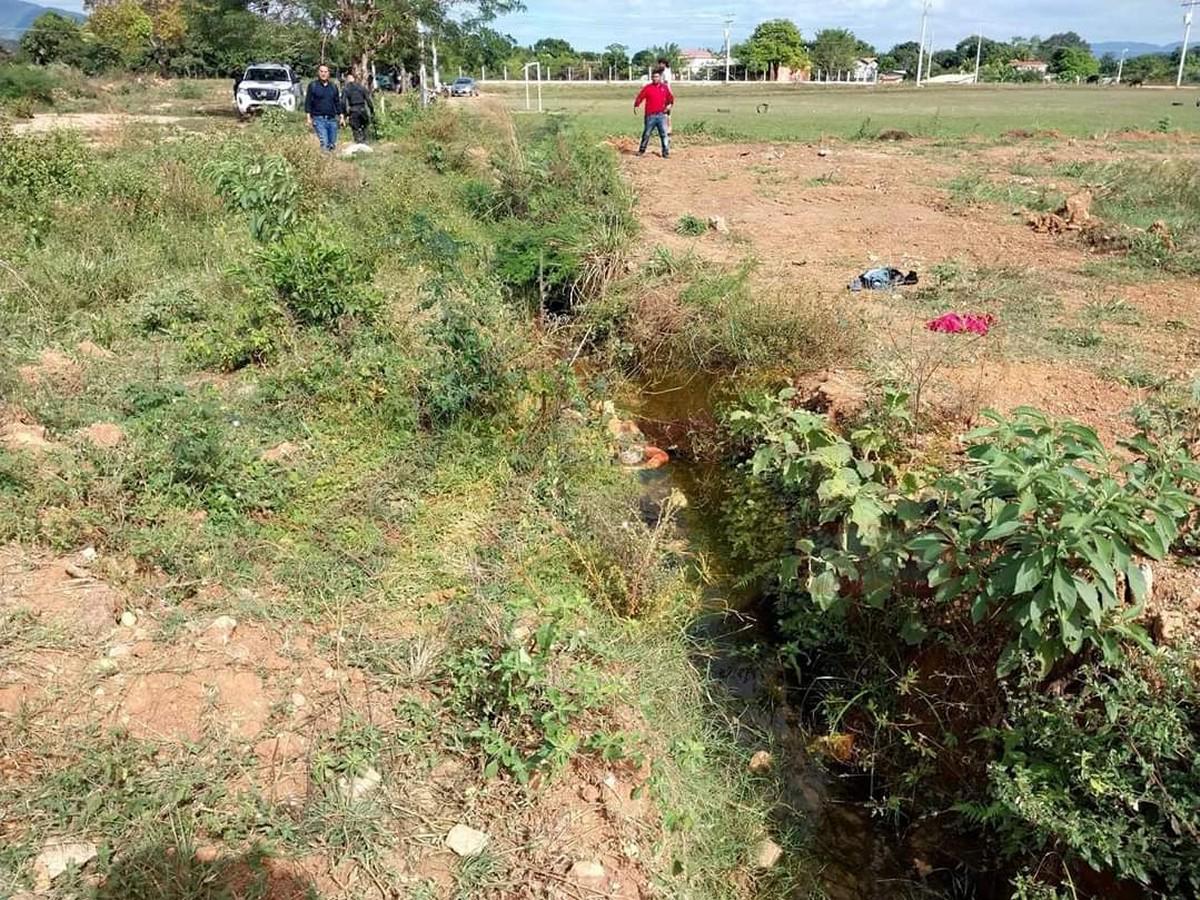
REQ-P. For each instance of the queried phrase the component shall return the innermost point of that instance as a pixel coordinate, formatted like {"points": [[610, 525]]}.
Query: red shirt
{"points": [[657, 98]]}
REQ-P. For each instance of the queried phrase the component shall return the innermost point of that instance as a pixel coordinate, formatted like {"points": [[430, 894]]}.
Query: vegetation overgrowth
{"points": [[436, 523]]}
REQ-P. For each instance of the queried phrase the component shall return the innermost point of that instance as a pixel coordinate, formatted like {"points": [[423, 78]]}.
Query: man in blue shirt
{"points": [[323, 108]]}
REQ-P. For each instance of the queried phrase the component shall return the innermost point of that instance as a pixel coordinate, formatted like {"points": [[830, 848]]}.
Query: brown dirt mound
{"points": [[893, 134], [626, 146]]}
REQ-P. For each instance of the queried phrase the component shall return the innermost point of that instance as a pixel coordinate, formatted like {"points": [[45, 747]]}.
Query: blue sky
{"points": [[592, 24]]}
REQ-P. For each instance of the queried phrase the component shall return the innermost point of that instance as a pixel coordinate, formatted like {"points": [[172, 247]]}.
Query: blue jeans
{"points": [[326, 128], [656, 123]]}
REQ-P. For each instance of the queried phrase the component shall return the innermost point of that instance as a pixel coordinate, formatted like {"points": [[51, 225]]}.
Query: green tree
{"points": [[484, 47], [124, 28], [1066, 39], [773, 44], [901, 58], [53, 38], [553, 47], [616, 56], [1072, 63], [836, 49]]}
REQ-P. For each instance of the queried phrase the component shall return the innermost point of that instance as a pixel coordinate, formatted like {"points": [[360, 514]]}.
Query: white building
{"points": [[697, 62]]}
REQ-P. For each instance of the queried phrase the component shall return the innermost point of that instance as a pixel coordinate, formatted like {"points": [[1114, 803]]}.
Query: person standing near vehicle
{"points": [[659, 100], [357, 107], [323, 109]]}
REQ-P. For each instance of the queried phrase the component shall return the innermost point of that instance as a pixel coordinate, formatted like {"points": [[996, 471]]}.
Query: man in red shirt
{"points": [[659, 100]]}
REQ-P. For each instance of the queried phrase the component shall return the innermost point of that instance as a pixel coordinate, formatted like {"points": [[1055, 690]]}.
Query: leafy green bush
{"points": [[1037, 528], [318, 277], [248, 331], [26, 82], [1107, 771], [468, 369], [264, 187], [35, 171]]}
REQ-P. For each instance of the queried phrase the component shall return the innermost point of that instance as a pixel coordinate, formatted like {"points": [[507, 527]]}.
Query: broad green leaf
{"points": [[1029, 575], [1137, 582], [823, 589], [913, 631], [843, 485], [1086, 591], [1064, 587]]}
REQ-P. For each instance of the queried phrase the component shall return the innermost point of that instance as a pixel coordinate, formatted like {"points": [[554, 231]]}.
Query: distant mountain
{"points": [[17, 15], [1135, 48]]}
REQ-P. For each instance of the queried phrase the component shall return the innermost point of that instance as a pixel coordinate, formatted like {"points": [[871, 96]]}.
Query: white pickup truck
{"points": [[268, 84]]}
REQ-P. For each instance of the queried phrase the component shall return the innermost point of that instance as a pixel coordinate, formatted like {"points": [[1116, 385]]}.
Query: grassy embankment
{"points": [[440, 525]]}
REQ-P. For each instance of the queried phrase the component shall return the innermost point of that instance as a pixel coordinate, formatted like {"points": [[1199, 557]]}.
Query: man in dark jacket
{"points": [[358, 108], [323, 108]]}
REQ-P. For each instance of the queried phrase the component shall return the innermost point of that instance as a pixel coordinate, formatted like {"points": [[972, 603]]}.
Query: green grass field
{"points": [[799, 113]]}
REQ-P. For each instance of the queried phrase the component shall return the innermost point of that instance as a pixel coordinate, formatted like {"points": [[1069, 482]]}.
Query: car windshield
{"points": [[263, 74], [464, 81]]}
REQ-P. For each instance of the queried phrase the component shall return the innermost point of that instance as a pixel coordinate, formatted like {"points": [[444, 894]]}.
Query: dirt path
{"points": [[813, 218]]}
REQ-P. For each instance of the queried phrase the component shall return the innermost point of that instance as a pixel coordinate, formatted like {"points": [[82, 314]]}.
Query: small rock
{"points": [[93, 350], [280, 452], [823, 152], [361, 786], [117, 651], [88, 554], [106, 666], [589, 793], [298, 700], [761, 762], [76, 571], [223, 623], [128, 619], [768, 854], [632, 457], [718, 224], [588, 873], [58, 856], [206, 853], [466, 841]]}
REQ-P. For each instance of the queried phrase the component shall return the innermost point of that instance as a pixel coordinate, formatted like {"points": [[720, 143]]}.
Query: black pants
{"points": [[359, 119]]}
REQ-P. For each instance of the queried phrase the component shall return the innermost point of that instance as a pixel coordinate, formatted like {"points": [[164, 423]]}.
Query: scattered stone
{"points": [[224, 623], [76, 571], [19, 436], [838, 747], [588, 873], [104, 435], [93, 351], [356, 149], [718, 224], [128, 619], [823, 152], [57, 856], [589, 793], [88, 554], [633, 456], [298, 700], [280, 452], [466, 841], [106, 666], [768, 854], [362, 786], [206, 853], [116, 651], [761, 762]]}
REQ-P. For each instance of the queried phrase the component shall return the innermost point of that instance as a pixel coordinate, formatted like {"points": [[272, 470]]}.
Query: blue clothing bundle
{"points": [[882, 280]]}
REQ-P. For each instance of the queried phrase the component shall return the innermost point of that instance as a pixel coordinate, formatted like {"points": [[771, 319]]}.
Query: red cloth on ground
{"points": [[962, 323], [657, 98]]}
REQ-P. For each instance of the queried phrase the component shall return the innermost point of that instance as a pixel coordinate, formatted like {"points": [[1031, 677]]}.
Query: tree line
{"points": [[218, 37]]}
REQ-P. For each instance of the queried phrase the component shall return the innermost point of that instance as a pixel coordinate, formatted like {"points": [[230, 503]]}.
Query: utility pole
{"points": [[921, 46], [423, 75], [437, 76], [978, 54], [728, 25], [1121, 66], [929, 57], [1188, 6]]}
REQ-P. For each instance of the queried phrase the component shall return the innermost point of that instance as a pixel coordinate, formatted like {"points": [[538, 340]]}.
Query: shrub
{"points": [[468, 370], [1037, 529], [264, 187], [691, 226], [1106, 771], [318, 277], [247, 331], [32, 83], [35, 171]]}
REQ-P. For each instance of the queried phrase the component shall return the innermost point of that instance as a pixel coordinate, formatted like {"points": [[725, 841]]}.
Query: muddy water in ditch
{"points": [[861, 856]]}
